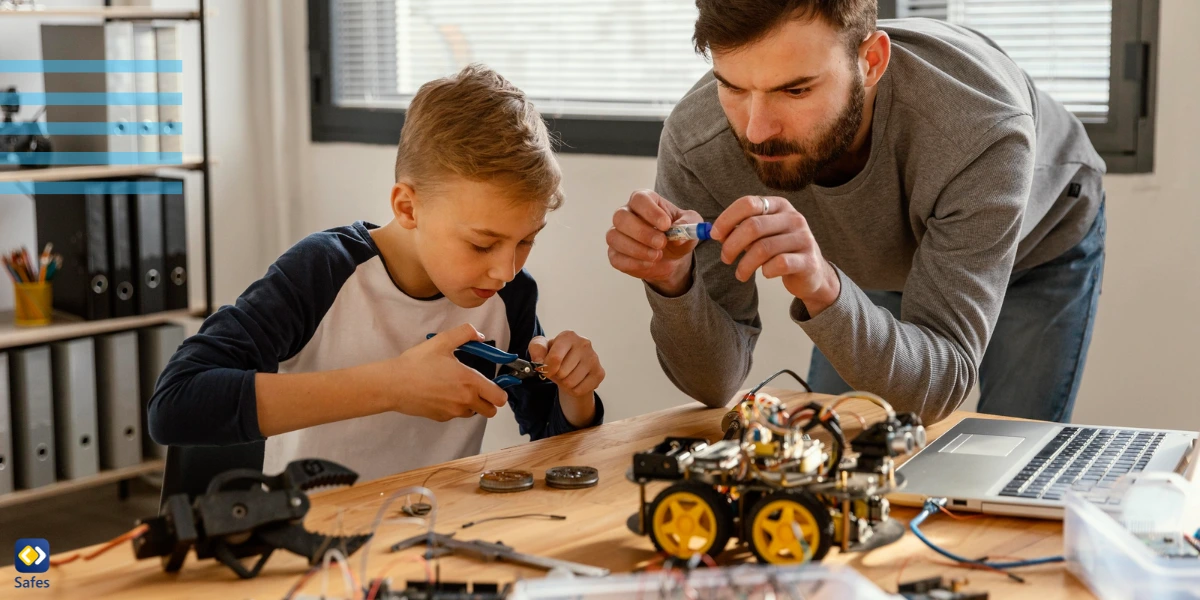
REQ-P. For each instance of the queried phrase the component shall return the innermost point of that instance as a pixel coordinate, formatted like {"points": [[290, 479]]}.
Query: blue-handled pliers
{"points": [[521, 368]]}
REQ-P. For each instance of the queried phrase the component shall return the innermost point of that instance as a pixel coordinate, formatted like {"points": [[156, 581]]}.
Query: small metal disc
{"points": [[572, 478], [417, 509], [507, 480]]}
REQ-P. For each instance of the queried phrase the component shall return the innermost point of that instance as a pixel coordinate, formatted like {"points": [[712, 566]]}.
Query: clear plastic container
{"points": [[751, 582], [1115, 564]]}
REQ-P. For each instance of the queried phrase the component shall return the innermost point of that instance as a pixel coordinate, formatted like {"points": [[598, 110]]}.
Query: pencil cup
{"points": [[32, 303]]}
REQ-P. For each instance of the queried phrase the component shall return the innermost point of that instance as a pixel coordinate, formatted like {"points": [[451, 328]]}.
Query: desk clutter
{"points": [[70, 409], [787, 496]]}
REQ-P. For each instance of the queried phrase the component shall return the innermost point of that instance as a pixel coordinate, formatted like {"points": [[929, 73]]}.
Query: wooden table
{"points": [[594, 532]]}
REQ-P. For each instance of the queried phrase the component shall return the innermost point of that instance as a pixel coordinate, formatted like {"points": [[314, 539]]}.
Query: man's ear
{"points": [[873, 56], [404, 204]]}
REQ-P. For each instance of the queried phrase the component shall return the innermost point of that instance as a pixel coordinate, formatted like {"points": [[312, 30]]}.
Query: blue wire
{"points": [[931, 507]]}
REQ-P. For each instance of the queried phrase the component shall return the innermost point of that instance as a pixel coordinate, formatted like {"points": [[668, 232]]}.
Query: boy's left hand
{"points": [[572, 364]]}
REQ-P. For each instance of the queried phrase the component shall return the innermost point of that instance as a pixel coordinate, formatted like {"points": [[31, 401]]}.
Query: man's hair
{"points": [[478, 126], [731, 24]]}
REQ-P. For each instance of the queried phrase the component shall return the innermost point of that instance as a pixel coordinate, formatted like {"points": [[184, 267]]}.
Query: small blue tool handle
{"points": [[493, 354]]}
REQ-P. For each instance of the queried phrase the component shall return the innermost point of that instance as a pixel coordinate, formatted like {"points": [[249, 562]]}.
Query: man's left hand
{"points": [[776, 238]]}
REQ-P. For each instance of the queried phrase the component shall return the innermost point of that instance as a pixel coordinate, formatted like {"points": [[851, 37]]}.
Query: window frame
{"points": [[1126, 141], [623, 136]]}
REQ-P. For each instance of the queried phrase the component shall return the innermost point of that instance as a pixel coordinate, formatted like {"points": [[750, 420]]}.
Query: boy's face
{"points": [[473, 237]]}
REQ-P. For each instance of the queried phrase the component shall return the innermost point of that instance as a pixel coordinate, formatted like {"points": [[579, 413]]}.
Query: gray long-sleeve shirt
{"points": [[973, 173]]}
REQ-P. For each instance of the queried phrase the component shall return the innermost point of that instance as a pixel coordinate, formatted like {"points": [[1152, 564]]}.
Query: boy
{"points": [[327, 356]]}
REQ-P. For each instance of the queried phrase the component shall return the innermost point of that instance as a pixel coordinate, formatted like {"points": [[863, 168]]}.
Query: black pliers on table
{"points": [[520, 368], [246, 513]]}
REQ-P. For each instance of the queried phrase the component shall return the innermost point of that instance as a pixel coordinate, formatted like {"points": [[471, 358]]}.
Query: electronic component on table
{"points": [[246, 513], [506, 480], [935, 588], [572, 478], [789, 495], [690, 231]]}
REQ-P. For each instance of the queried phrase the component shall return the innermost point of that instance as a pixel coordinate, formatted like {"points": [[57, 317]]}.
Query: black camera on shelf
{"points": [[14, 140]]}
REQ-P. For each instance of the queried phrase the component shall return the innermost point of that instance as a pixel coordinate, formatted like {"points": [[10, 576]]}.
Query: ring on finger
{"points": [[766, 205]]}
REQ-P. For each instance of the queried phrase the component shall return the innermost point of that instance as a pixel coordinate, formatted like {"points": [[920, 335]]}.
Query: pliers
{"points": [[521, 368]]}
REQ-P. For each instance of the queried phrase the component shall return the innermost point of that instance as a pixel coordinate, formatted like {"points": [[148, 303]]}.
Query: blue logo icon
{"points": [[32, 555]]}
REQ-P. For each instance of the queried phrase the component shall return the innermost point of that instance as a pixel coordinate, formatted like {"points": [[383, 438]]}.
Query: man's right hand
{"points": [[428, 381], [638, 246]]}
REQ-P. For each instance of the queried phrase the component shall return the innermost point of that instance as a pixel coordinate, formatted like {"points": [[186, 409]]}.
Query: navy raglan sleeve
{"points": [[206, 396], [534, 401]]}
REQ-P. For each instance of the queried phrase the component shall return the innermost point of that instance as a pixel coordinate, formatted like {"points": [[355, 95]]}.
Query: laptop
{"points": [[1025, 468]]}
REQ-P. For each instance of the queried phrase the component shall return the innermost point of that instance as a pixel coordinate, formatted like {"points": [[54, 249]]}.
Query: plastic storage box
{"points": [[1116, 565]]}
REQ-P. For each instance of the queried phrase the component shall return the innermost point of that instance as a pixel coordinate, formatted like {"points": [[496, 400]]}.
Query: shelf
{"points": [[94, 171], [72, 485], [106, 12], [66, 327]]}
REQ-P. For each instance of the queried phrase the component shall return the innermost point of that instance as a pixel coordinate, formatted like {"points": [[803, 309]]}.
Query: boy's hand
{"points": [[572, 364], [428, 381]]}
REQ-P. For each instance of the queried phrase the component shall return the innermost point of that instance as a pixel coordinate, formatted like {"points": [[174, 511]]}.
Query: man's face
{"points": [[794, 100]]}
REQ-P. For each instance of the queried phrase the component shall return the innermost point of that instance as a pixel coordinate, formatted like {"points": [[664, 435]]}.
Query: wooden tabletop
{"points": [[593, 533]]}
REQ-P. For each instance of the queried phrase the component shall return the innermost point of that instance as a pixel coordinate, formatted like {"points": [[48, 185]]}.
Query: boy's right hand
{"points": [[428, 381], [637, 245]]}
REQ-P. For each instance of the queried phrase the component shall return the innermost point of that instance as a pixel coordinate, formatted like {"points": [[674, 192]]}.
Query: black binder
{"points": [[146, 224], [77, 225], [175, 250], [120, 243]]}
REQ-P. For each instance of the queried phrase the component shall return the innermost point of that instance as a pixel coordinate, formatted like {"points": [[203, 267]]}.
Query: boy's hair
{"points": [[731, 24], [478, 126]]}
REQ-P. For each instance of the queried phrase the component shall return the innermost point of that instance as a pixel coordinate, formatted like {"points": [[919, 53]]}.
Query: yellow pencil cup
{"points": [[33, 303]]}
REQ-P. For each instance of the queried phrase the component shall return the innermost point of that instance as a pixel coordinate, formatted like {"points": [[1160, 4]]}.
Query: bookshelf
{"points": [[66, 327]]}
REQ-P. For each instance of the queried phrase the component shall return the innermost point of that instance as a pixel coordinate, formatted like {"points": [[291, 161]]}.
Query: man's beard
{"points": [[807, 160]]}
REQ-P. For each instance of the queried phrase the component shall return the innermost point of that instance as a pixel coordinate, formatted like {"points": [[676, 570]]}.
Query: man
{"points": [[909, 185]]}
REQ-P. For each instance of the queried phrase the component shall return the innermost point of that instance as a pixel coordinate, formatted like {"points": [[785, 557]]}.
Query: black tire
{"points": [[808, 512], [716, 532]]}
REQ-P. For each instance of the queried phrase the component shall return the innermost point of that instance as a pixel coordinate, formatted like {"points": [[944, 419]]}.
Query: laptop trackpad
{"points": [[982, 445]]}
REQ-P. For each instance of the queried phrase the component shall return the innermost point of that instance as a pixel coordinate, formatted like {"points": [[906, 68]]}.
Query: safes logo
{"points": [[32, 555]]}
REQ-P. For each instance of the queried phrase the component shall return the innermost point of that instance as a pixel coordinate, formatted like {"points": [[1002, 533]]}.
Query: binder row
{"points": [[71, 409], [149, 130], [123, 254]]}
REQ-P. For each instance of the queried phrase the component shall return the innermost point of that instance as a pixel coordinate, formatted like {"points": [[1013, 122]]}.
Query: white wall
{"points": [[1141, 354]]}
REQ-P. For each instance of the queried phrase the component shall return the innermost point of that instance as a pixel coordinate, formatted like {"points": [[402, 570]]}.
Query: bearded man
{"points": [[937, 217]]}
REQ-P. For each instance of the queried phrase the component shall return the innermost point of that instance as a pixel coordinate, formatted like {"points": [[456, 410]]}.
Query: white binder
{"points": [[74, 364], [32, 417], [119, 398]]}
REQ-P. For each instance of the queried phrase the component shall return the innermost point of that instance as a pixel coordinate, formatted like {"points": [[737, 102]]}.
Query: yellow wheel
{"points": [[778, 517], [688, 519]]}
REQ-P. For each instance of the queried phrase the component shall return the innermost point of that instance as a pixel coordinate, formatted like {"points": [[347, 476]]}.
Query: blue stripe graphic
{"points": [[91, 187], [91, 98], [91, 66], [167, 128], [95, 158]]}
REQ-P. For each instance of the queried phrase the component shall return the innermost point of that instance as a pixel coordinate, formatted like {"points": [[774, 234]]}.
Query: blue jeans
{"points": [[1034, 363]]}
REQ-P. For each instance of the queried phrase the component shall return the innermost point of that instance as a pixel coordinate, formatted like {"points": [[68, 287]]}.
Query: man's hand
{"points": [[573, 364], [776, 238], [637, 245]]}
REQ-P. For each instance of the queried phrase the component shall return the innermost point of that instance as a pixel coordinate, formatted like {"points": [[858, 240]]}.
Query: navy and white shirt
{"points": [[328, 303]]}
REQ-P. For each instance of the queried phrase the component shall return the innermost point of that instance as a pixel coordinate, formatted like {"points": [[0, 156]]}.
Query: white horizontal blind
{"points": [[1064, 45], [572, 57]]}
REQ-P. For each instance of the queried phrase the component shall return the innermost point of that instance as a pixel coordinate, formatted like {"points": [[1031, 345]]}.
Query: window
{"points": [[606, 73], [1094, 56]]}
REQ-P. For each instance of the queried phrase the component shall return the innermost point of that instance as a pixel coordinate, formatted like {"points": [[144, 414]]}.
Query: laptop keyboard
{"points": [[1087, 460]]}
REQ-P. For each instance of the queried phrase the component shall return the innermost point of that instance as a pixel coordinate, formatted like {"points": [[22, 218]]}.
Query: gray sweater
{"points": [[973, 173]]}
